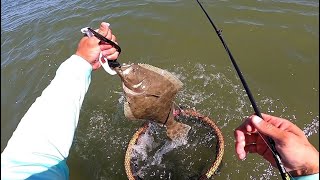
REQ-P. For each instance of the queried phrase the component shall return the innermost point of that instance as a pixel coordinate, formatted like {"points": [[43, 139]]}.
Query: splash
{"points": [[312, 128], [103, 136], [144, 145], [143, 152], [218, 93]]}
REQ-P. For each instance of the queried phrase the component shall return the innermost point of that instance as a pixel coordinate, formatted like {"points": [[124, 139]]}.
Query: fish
{"points": [[149, 94]]}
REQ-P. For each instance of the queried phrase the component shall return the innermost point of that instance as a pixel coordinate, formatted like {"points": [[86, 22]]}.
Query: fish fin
{"points": [[169, 76], [178, 130]]}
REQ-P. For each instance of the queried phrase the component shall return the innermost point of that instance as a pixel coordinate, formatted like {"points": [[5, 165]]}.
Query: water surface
{"points": [[275, 43]]}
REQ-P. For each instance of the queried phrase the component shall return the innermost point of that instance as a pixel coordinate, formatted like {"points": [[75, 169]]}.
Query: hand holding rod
{"points": [[276, 155]]}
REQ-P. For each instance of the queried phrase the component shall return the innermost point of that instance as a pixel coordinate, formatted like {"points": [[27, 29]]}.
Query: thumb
{"points": [[268, 129], [104, 28]]}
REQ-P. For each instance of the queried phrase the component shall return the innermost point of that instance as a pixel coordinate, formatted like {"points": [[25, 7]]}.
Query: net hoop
{"points": [[187, 113]]}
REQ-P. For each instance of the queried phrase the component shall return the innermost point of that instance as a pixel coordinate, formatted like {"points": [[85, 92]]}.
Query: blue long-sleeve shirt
{"points": [[40, 144]]}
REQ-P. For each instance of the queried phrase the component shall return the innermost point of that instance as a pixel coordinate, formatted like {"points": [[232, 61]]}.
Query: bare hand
{"points": [[89, 47], [297, 154]]}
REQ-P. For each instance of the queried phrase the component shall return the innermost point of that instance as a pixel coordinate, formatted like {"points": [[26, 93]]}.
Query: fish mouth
{"points": [[129, 84], [126, 69]]}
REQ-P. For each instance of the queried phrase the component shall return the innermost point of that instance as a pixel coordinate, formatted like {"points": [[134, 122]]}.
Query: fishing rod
{"points": [[284, 174]]}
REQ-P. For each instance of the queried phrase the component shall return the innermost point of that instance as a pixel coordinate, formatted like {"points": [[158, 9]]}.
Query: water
{"points": [[275, 43], [156, 157]]}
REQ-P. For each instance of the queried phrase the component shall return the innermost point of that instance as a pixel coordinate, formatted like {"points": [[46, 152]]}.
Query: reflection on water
{"points": [[274, 42]]}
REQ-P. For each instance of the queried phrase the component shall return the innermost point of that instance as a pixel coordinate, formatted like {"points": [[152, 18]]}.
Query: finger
{"points": [[104, 47], [239, 135], [252, 148], [262, 147], [239, 147], [283, 124], [113, 38], [268, 129], [240, 143], [242, 127], [245, 127], [96, 65], [252, 138], [109, 52], [259, 148], [250, 128], [109, 34], [114, 56], [104, 29]]}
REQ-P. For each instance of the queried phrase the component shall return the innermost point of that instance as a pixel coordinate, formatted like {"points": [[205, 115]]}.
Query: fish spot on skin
{"points": [[153, 95], [129, 91], [137, 85]]}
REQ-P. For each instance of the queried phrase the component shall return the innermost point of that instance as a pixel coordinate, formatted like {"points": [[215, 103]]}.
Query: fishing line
{"points": [[272, 152], [271, 144]]}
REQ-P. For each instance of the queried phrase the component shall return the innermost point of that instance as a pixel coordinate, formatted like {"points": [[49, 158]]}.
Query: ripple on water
{"points": [[103, 135]]}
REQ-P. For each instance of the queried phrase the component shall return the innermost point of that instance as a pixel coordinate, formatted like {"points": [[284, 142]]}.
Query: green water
{"points": [[275, 44]]}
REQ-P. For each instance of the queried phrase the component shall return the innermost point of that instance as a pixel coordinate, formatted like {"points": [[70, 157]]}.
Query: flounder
{"points": [[149, 93]]}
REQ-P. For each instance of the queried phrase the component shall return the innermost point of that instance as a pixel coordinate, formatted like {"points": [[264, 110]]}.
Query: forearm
{"points": [[47, 129]]}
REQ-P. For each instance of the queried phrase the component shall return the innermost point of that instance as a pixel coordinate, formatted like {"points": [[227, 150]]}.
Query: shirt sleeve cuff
{"points": [[308, 177], [76, 65]]}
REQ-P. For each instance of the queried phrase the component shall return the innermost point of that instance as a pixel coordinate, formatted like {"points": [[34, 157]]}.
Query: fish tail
{"points": [[178, 130]]}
